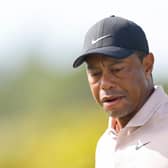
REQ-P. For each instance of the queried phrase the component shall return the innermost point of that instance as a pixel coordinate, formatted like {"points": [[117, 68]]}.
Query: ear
{"points": [[148, 62]]}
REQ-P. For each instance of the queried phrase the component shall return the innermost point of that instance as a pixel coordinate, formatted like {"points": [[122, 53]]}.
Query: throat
{"points": [[119, 123]]}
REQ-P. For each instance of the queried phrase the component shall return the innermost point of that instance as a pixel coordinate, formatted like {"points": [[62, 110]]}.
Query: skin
{"points": [[120, 86]]}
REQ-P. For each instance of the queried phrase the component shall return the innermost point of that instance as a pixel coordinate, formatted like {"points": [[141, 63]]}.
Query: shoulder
{"points": [[106, 142], [105, 149], [104, 137]]}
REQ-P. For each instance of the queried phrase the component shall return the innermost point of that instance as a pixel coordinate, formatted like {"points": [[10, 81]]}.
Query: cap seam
{"points": [[100, 29], [109, 47], [102, 32]]}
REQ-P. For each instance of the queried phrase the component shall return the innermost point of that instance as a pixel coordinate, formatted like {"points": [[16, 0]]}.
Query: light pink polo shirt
{"points": [[143, 142]]}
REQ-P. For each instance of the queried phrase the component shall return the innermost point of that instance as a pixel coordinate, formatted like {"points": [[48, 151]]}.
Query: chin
{"points": [[118, 113]]}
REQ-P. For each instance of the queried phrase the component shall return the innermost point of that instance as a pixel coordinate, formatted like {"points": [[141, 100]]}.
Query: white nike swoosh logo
{"points": [[138, 146], [100, 38]]}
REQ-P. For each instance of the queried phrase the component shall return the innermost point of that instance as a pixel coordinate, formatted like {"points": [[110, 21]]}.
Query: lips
{"points": [[110, 98], [110, 101]]}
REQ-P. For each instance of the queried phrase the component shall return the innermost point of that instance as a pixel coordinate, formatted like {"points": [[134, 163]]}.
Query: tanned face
{"points": [[120, 86]]}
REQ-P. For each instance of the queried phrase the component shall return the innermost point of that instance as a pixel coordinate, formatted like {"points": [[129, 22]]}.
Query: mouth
{"points": [[109, 101]]}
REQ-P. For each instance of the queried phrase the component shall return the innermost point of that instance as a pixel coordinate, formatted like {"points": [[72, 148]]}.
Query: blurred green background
{"points": [[48, 118]]}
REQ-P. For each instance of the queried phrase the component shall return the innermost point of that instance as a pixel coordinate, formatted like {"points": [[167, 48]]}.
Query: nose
{"points": [[108, 82]]}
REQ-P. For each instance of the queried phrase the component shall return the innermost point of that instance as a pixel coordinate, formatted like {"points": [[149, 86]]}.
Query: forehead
{"points": [[97, 59]]}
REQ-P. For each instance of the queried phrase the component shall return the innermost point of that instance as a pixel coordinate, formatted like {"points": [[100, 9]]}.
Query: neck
{"points": [[119, 123]]}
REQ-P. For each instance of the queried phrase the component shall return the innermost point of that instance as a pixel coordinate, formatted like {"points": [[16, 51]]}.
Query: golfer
{"points": [[119, 68]]}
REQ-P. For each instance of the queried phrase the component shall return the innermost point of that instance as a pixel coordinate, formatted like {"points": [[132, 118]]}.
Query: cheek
{"points": [[94, 87], [136, 87], [95, 91]]}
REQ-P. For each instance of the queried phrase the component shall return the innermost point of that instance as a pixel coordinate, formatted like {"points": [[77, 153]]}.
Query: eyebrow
{"points": [[116, 62], [91, 66]]}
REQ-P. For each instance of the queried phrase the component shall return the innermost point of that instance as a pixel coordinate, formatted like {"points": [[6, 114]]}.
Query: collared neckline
{"points": [[146, 111], [149, 108]]}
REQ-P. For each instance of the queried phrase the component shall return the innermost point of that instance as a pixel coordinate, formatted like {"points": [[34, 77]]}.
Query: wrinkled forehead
{"points": [[95, 59]]}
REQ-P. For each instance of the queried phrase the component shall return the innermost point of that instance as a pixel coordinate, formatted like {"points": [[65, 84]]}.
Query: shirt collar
{"points": [[147, 110]]}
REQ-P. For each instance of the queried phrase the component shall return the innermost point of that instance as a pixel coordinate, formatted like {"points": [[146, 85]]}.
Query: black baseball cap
{"points": [[115, 37]]}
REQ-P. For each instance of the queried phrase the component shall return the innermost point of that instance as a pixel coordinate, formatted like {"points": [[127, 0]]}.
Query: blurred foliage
{"points": [[39, 88], [48, 119]]}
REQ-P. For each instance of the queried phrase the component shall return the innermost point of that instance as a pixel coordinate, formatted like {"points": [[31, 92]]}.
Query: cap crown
{"points": [[115, 37], [118, 32]]}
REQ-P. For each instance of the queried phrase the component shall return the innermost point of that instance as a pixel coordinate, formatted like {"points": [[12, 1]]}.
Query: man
{"points": [[119, 70]]}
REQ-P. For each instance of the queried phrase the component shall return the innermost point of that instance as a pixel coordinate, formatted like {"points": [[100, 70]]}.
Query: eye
{"points": [[115, 70], [95, 74]]}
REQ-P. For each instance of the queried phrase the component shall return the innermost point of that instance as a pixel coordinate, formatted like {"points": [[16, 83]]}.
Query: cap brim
{"points": [[114, 52]]}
